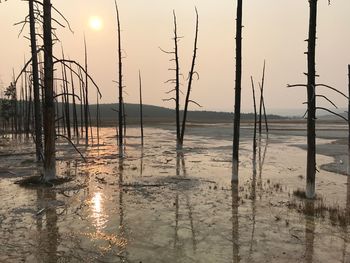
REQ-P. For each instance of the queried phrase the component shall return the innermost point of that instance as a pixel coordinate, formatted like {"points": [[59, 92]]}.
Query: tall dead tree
{"points": [[261, 98], [75, 115], [86, 107], [262, 109], [180, 129], [175, 81], [238, 84], [255, 116], [36, 86], [177, 84], [49, 110], [349, 109], [120, 82], [141, 106], [190, 80], [311, 102]]}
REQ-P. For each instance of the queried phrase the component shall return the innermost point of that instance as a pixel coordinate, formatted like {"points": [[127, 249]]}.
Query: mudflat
{"points": [[160, 205]]}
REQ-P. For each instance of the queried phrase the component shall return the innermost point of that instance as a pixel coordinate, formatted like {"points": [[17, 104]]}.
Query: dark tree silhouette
{"points": [[190, 81], [175, 81], [255, 116], [238, 84], [177, 84], [120, 82], [349, 110], [49, 112], [36, 86], [86, 107], [311, 102], [141, 113]]}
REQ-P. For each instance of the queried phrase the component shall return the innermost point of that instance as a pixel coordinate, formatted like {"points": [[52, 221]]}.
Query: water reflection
{"points": [[122, 227], [48, 238], [347, 213], [97, 211], [261, 156], [182, 172], [309, 230], [253, 198], [141, 162], [235, 223]]}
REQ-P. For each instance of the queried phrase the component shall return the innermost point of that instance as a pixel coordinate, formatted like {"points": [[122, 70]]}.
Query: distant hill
{"points": [[156, 114]]}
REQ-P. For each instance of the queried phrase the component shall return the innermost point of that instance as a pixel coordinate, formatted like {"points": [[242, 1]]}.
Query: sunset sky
{"points": [[274, 30]]}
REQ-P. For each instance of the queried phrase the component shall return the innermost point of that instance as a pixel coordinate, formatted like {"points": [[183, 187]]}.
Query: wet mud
{"points": [[159, 205]]}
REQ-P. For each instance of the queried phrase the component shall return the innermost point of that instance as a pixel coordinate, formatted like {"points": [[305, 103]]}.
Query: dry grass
{"points": [[318, 209]]}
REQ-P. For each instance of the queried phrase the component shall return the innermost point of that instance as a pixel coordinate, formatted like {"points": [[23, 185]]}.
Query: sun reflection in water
{"points": [[97, 211]]}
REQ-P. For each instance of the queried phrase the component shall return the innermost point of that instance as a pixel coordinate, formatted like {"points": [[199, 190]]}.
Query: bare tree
{"points": [[238, 84], [86, 107], [349, 109], [255, 116], [261, 98], [177, 84], [120, 82], [36, 87], [141, 113], [311, 102], [190, 80], [49, 112], [175, 81]]}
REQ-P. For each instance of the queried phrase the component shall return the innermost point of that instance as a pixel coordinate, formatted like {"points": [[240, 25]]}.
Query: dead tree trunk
{"points": [[86, 108], [311, 103], [141, 113], [82, 103], [255, 117], [261, 99], [66, 96], [49, 111], [36, 86], [177, 85], [120, 82], [349, 109], [238, 83], [190, 80], [98, 118], [75, 115], [265, 117]]}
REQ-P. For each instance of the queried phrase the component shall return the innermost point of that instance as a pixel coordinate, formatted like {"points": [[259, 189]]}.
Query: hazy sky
{"points": [[274, 30]]}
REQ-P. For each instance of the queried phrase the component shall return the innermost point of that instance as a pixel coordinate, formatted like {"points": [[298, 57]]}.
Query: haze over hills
{"points": [[156, 114]]}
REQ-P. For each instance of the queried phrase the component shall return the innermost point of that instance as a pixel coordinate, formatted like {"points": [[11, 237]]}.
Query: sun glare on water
{"points": [[95, 23]]}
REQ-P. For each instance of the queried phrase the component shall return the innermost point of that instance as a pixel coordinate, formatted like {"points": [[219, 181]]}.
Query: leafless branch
{"points": [[195, 103], [331, 102], [334, 113], [82, 156]]}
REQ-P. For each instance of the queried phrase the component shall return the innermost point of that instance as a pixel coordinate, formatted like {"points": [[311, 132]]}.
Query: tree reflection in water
{"points": [[48, 237]]}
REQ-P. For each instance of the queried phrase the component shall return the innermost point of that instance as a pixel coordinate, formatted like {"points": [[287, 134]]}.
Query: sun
{"points": [[95, 23]]}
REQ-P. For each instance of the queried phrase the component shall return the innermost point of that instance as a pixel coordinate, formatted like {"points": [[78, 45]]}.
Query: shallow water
{"points": [[156, 205]]}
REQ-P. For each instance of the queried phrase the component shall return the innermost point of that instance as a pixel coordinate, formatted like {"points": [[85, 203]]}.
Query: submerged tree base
{"points": [[38, 181]]}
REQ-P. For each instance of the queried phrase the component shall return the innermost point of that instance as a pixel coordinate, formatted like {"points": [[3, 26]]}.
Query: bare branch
{"points": [[82, 156], [331, 102], [69, 94], [331, 88], [170, 99], [334, 113], [65, 61], [296, 85], [195, 103], [166, 52]]}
